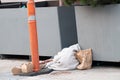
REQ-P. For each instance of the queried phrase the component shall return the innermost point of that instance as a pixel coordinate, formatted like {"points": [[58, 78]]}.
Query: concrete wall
{"points": [[14, 35], [99, 28], [48, 31], [67, 25], [13, 31]]}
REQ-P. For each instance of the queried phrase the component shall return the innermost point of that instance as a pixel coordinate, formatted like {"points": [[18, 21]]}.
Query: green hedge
{"points": [[92, 2]]}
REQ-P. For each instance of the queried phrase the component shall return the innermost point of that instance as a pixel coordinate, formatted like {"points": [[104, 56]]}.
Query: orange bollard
{"points": [[33, 35]]}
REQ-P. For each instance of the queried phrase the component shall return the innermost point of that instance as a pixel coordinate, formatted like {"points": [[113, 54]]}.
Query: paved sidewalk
{"points": [[96, 73]]}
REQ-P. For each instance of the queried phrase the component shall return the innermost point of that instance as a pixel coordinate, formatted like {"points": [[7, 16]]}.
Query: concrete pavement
{"points": [[96, 73]]}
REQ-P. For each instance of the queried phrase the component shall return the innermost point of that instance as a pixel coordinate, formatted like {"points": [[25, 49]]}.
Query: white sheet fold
{"points": [[65, 59]]}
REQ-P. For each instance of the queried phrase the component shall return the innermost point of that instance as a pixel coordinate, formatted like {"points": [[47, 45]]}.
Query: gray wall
{"points": [[13, 31], [14, 35], [67, 25], [48, 31], [99, 28]]}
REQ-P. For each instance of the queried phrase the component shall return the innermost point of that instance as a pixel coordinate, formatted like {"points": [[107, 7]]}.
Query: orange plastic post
{"points": [[33, 35]]}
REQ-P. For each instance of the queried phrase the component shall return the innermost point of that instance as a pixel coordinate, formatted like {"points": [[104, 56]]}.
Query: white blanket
{"points": [[65, 59]]}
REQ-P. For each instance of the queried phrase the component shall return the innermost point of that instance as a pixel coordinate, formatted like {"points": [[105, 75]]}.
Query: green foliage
{"points": [[69, 2], [92, 2]]}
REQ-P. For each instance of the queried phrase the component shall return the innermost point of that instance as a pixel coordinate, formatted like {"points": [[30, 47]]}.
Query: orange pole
{"points": [[33, 35]]}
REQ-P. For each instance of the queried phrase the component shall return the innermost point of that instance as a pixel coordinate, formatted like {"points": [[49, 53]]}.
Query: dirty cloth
{"points": [[65, 59]]}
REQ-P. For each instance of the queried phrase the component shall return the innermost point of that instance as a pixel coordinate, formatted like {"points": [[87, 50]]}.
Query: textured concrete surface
{"points": [[96, 73]]}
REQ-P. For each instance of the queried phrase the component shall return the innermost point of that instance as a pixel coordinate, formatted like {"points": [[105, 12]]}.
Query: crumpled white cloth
{"points": [[65, 59]]}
